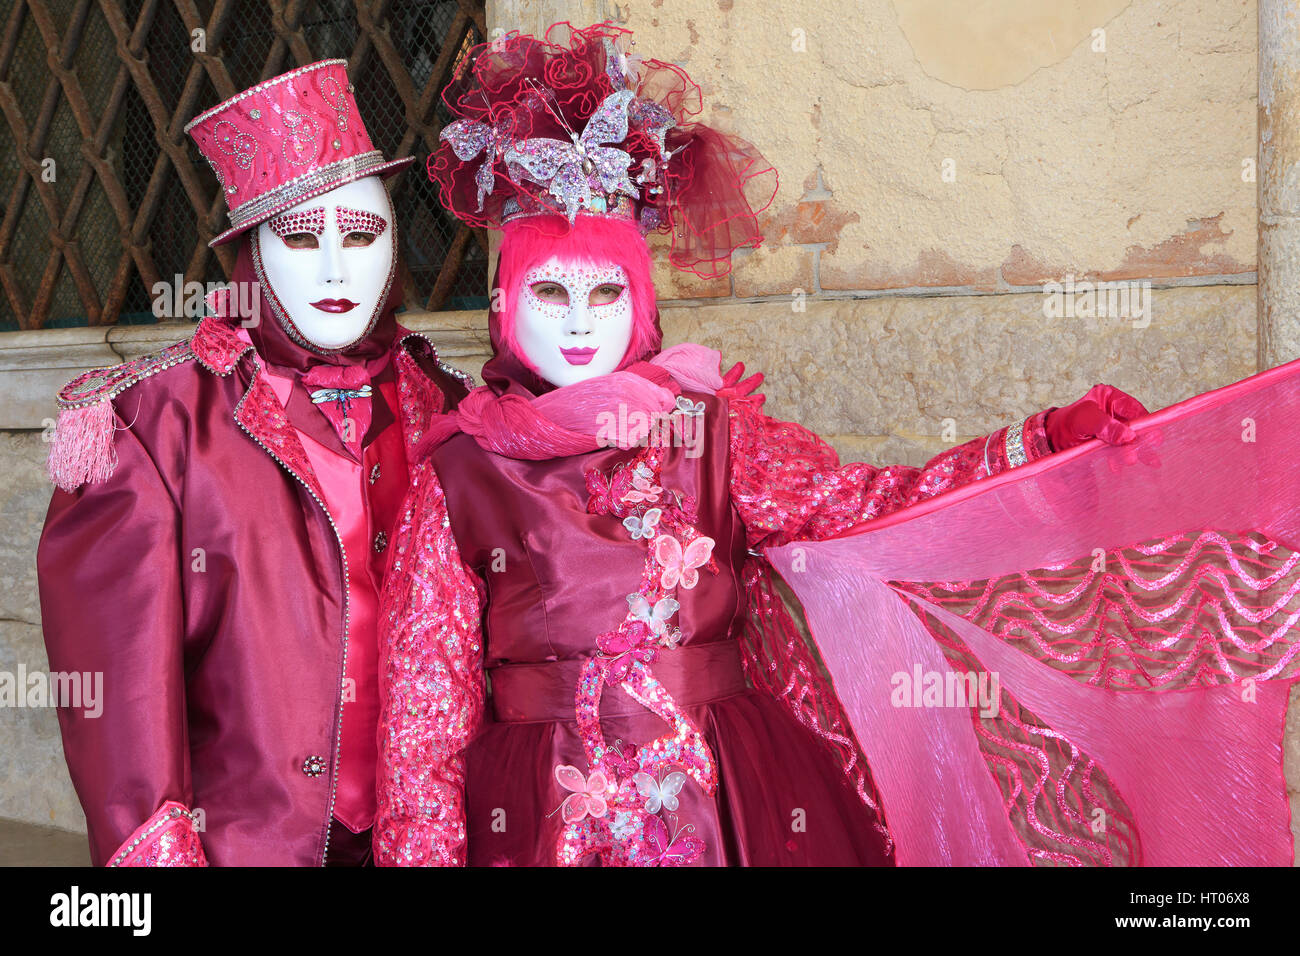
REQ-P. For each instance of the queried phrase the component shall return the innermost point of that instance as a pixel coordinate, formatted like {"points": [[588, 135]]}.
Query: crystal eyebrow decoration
{"points": [[575, 276], [577, 281], [358, 220], [306, 220]]}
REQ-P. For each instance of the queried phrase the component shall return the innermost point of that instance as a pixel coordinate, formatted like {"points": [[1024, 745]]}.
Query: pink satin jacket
{"points": [[200, 570]]}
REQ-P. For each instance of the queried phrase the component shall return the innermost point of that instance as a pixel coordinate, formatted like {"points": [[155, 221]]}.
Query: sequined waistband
{"points": [[693, 674]]}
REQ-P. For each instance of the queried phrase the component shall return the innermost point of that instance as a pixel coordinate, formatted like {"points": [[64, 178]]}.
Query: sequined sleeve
{"points": [[789, 485], [431, 692]]}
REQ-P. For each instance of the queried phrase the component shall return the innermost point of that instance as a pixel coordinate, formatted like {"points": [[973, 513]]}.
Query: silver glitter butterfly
{"points": [[623, 69], [651, 219], [468, 138], [570, 170], [653, 120]]}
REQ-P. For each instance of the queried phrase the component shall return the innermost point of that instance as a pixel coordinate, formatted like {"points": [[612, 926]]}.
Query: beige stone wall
{"points": [[983, 146], [35, 785], [898, 379]]}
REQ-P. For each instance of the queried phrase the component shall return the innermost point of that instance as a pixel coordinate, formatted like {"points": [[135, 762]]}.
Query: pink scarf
{"points": [[566, 421]]}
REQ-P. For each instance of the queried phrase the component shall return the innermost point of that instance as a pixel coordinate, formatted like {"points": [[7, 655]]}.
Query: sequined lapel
{"points": [[262, 416], [217, 346], [259, 413]]}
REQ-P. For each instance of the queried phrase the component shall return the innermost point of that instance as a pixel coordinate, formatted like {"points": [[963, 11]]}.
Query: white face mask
{"points": [[329, 262], [574, 322]]}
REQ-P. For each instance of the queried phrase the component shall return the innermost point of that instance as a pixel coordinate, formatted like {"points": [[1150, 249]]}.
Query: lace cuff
{"points": [[168, 838], [1017, 444]]}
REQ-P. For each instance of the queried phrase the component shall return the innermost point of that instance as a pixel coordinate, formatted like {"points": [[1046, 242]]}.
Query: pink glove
{"points": [[1103, 413], [733, 387]]}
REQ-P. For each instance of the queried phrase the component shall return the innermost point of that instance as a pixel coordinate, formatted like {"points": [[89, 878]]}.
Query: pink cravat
{"points": [[342, 393]]}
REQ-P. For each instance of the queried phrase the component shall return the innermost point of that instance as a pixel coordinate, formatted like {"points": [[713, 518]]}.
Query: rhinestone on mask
{"points": [[304, 220], [358, 220], [575, 279]]}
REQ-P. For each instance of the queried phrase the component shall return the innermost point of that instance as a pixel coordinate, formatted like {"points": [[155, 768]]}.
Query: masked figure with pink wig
{"points": [[584, 657]]}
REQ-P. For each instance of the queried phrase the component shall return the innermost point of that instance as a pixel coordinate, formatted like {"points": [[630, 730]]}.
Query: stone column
{"points": [[1279, 182]]}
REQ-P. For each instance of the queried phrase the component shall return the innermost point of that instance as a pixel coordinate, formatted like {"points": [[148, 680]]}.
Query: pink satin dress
{"points": [[596, 747]]}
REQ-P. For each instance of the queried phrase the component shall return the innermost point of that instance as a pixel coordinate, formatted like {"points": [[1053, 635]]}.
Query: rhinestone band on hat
{"points": [[620, 207], [303, 187]]}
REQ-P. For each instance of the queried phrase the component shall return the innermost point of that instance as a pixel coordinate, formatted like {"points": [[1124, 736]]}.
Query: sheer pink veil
{"points": [[1131, 613]]}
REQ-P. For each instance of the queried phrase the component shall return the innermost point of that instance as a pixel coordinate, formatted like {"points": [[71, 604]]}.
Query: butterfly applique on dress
{"points": [[688, 407], [645, 526], [660, 793], [643, 486], [679, 565], [681, 849], [587, 795], [621, 827], [654, 616], [623, 646]]}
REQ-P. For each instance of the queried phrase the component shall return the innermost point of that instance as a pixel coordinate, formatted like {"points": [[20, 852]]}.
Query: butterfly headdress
{"points": [[576, 124]]}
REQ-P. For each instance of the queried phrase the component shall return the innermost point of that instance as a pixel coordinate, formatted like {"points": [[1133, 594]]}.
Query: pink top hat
{"points": [[285, 140]]}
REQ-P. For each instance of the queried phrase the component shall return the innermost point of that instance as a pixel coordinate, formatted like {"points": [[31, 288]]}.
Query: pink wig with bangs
{"points": [[592, 241]]}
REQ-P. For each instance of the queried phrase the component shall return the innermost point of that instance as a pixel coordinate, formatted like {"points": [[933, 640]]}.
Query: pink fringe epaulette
{"points": [[81, 450]]}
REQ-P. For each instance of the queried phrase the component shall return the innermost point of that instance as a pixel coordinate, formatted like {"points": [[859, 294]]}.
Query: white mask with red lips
{"points": [[329, 262], [574, 321]]}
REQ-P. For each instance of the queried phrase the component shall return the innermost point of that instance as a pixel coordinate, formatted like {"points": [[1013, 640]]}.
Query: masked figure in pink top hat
{"points": [[216, 543], [583, 657]]}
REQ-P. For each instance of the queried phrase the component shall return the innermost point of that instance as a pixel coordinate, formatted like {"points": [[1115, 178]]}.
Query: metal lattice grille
{"points": [[102, 195]]}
